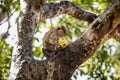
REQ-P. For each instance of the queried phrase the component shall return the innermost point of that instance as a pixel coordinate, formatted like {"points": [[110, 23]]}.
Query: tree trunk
{"points": [[63, 64]]}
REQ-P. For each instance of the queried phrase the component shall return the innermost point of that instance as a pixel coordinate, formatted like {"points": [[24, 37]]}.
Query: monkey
{"points": [[50, 40], [36, 3]]}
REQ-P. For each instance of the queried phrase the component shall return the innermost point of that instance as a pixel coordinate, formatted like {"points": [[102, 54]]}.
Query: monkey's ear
{"points": [[64, 29]]}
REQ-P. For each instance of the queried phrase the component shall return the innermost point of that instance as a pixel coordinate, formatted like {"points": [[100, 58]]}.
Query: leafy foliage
{"points": [[9, 6], [5, 60]]}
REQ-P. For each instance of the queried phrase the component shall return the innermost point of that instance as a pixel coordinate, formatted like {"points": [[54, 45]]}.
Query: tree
{"points": [[62, 65]]}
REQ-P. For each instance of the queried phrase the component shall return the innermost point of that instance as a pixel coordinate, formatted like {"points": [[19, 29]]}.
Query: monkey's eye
{"points": [[58, 28]]}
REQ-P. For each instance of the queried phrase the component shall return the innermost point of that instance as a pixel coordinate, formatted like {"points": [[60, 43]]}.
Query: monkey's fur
{"points": [[36, 3], [50, 40]]}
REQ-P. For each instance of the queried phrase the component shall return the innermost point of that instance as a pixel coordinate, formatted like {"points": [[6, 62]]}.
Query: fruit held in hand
{"points": [[63, 43]]}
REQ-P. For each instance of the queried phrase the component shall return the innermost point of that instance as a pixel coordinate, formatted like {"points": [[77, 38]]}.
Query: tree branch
{"points": [[2, 16], [61, 66], [79, 51], [50, 10]]}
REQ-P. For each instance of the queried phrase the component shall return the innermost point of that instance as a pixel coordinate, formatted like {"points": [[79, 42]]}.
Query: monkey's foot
{"points": [[48, 53]]}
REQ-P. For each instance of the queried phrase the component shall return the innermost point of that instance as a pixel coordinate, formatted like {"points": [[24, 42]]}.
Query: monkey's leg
{"points": [[48, 53]]}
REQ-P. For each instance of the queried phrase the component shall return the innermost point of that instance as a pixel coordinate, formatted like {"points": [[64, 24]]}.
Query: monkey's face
{"points": [[61, 33]]}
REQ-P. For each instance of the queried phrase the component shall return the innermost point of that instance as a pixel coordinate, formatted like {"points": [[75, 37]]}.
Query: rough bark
{"points": [[62, 65], [50, 10], [2, 16]]}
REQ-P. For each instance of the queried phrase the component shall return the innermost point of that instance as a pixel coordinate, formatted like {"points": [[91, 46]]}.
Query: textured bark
{"points": [[50, 10], [62, 65], [2, 16]]}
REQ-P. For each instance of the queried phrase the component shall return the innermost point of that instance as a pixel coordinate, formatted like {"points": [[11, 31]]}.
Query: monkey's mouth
{"points": [[60, 35]]}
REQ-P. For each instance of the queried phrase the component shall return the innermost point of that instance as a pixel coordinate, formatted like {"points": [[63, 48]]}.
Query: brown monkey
{"points": [[35, 3], [50, 40]]}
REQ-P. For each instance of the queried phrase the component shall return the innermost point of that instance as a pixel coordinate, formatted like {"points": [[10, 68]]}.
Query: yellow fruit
{"points": [[63, 43]]}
